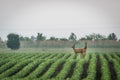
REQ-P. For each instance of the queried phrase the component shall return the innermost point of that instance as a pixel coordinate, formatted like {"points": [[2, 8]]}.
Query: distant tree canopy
{"points": [[0, 39], [2, 44], [94, 36], [63, 39], [13, 41], [72, 37], [53, 38], [25, 38], [40, 37], [33, 38], [112, 36], [56, 39]]}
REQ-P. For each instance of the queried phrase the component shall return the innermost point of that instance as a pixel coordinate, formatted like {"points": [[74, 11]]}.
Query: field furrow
{"points": [[59, 66]]}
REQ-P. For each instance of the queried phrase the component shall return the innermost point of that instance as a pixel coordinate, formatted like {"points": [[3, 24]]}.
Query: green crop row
{"points": [[104, 68], [65, 70], [117, 68], [14, 69], [116, 64], [58, 66], [37, 72], [7, 66], [27, 69], [51, 70], [79, 67], [91, 69]]}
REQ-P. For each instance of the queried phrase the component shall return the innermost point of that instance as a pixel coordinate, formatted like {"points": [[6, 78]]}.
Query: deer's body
{"points": [[82, 51]]}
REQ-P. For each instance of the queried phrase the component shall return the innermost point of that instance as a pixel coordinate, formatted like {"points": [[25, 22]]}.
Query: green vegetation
{"points": [[13, 41], [94, 40], [59, 66]]}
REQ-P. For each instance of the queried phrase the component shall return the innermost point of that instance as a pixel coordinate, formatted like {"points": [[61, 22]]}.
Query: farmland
{"points": [[59, 66]]}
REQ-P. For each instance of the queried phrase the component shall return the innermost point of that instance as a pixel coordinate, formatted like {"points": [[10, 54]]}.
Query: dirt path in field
{"points": [[98, 68], [112, 71], [70, 73], [44, 70], [85, 68], [57, 70], [31, 70], [111, 68]]}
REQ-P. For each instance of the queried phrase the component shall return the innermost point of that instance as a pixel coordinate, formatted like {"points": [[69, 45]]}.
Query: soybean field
{"points": [[59, 66]]}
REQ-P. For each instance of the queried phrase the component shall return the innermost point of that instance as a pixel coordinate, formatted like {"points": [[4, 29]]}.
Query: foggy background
{"points": [[59, 17]]}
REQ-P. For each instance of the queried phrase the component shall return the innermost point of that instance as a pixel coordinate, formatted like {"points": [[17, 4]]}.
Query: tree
{"points": [[13, 41], [112, 36], [94, 36], [53, 38], [2, 43], [63, 39], [40, 37], [21, 38], [0, 39], [99, 37], [83, 38], [33, 38], [72, 37]]}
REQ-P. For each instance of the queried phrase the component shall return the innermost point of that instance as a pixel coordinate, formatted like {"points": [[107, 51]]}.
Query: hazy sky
{"points": [[59, 17]]}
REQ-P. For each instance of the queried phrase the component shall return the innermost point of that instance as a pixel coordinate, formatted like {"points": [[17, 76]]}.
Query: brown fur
{"points": [[82, 51]]}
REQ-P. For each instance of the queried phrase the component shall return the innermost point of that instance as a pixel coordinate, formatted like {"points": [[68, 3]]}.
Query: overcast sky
{"points": [[59, 17]]}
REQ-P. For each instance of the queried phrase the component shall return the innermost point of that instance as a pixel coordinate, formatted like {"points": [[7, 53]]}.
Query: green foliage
{"points": [[65, 70], [117, 68], [27, 69], [49, 73], [91, 70], [13, 41], [25, 38], [53, 38], [112, 36], [41, 66], [63, 39], [104, 68], [2, 43], [14, 69], [40, 37], [7, 66], [72, 37], [94, 36]]}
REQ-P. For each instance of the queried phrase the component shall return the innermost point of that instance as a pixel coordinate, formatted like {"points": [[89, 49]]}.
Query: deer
{"points": [[82, 51]]}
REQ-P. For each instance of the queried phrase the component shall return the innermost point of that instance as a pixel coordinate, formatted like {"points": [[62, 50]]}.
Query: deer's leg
{"points": [[75, 55], [81, 55]]}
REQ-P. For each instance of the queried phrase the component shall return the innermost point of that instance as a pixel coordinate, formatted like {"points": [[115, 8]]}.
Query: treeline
{"points": [[72, 37], [14, 41]]}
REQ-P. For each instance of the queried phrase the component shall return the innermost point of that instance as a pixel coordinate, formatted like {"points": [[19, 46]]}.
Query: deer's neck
{"points": [[73, 47], [85, 46]]}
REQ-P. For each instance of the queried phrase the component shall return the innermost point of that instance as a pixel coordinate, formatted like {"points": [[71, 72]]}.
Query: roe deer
{"points": [[82, 51]]}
